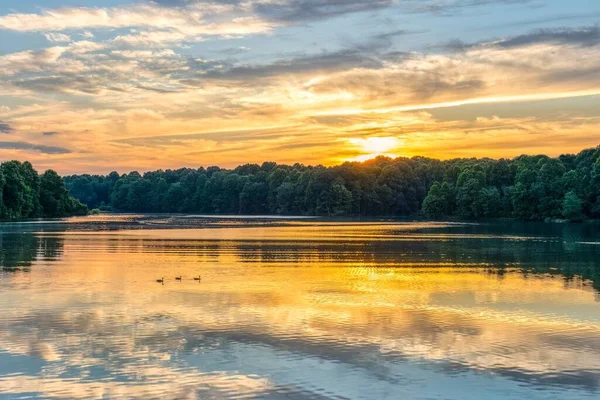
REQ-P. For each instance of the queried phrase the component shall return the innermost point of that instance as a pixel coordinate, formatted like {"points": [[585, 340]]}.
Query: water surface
{"points": [[298, 309]]}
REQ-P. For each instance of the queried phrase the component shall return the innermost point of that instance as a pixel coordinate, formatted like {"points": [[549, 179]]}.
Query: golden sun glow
{"points": [[375, 146], [149, 85]]}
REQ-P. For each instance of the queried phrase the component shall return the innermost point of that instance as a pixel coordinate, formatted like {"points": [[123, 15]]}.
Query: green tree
{"points": [[440, 201], [55, 199], [526, 187], [341, 199], [572, 208], [490, 202], [14, 191]]}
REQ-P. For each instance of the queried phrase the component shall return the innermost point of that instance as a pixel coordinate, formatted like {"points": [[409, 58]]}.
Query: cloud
{"points": [[589, 36], [154, 38], [179, 20], [56, 37], [30, 60], [306, 10], [347, 87], [144, 54], [5, 128], [66, 83], [296, 11], [264, 133], [85, 18], [195, 18], [315, 63], [365, 72], [584, 37], [392, 34], [34, 147], [50, 133], [234, 50], [171, 23], [452, 6], [291, 10]]}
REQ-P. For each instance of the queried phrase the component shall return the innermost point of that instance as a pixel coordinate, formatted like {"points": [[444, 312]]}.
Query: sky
{"points": [[103, 85]]}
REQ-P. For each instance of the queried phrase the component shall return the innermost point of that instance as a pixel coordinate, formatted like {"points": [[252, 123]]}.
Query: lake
{"points": [[298, 309]]}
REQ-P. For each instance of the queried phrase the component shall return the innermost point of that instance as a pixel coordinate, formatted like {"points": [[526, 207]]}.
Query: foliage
{"points": [[527, 187], [572, 207], [25, 194]]}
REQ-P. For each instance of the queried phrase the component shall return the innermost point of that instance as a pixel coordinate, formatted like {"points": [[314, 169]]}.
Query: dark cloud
{"points": [[311, 10], [63, 83], [49, 133], [450, 7], [326, 61], [585, 37], [454, 45], [231, 51], [5, 128], [295, 10], [173, 3], [582, 37], [392, 34], [35, 147], [305, 10], [381, 42]]}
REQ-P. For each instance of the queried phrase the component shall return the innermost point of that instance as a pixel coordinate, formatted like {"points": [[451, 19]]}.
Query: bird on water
{"points": [[198, 278], [161, 280], [178, 278]]}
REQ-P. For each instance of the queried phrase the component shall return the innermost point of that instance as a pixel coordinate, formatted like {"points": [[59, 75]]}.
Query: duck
{"points": [[161, 280], [178, 278], [198, 278]]}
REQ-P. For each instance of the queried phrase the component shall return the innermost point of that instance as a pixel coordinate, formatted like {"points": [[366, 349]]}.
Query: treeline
{"points": [[26, 194], [527, 188]]}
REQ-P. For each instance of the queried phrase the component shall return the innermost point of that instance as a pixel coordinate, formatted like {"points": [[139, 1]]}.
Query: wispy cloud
{"points": [[306, 10], [234, 50], [453, 6], [291, 10], [149, 77], [583, 36], [55, 37], [158, 24], [588, 36], [34, 147], [5, 128]]}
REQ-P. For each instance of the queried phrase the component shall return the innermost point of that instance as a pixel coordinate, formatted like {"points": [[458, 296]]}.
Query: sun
{"points": [[375, 146]]}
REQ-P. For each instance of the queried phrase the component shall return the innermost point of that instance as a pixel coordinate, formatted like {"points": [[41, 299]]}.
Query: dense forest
{"points": [[526, 187], [26, 194]]}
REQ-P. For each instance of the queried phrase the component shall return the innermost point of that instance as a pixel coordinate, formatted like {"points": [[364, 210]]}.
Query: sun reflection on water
{"points": [[82, 315]]}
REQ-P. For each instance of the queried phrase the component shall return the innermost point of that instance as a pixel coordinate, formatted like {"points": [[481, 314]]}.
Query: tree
{"points": [[489, 202], [469, 185], [254, 198], [55, 199], [341, 199], [440, 201], [286, 198], [572, 207], [13, 191], [526, 187]]}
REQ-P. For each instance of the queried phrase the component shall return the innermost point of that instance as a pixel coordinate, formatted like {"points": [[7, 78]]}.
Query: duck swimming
{"points": [[178, 278], [199, 278], [161, 280]]}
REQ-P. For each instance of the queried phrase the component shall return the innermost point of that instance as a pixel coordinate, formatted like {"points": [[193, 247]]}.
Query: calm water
{"points": [[298, 309]]}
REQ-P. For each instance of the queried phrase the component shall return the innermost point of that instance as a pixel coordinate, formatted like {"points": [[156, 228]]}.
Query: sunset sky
{"points": [[139, 85]]}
